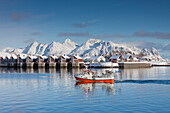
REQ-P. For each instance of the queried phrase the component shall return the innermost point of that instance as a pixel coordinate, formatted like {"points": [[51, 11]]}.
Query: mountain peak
{"points": [[93, 41], [67, 40], [53, 42], [34, 43], [91, 47]]}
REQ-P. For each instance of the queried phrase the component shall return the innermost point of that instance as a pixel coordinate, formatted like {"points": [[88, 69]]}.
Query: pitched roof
{"points": [[66, 57], [23, 56], [44, 57], [78, 57], [126, 56], [54, 57], [33, 57], [14, 56], [114, 56]]}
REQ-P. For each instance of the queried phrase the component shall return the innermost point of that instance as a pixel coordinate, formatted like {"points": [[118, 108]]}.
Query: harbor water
{"points": [[56, 90]]}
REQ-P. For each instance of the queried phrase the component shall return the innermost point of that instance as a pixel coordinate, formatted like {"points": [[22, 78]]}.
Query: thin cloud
{"points": [[167, 47], [30, 40], [77, 34], [138, 34], [109, 36], [36, 33], [144, 44], [159, 35], [87, 34], [84, 24], [19, 16]]}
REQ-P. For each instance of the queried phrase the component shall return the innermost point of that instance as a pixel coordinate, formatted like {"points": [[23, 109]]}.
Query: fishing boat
{"points": [[91, 76]]}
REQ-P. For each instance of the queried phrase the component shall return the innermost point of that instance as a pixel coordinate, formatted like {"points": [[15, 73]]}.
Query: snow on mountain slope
{"points": [[41, 49], [53, 48], [12, 50], [57, 48], [92, 47], [97, 47], [69, 44], [31, 49]]}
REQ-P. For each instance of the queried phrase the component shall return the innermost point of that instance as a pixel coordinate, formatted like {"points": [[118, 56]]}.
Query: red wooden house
{"points": [[31, 59], [76, 59], [53, 58], [21, 58], [130, 58], [64, 59], [116, 58], [42, 59]]}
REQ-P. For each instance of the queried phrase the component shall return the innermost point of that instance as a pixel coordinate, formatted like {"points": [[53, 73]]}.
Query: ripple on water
{"points": [[136, 90]]}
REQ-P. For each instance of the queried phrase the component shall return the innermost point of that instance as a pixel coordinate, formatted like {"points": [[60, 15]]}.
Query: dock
{"points": [[47, 65], [135, 64], [41, 65]]}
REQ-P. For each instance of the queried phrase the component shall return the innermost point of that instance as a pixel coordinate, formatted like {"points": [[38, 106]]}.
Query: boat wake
{"points": [[167, 82]]}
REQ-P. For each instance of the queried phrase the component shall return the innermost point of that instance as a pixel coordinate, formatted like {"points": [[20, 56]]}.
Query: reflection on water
{"points": [[56, 90], [89, 88], [166, 82], [124, 74]]}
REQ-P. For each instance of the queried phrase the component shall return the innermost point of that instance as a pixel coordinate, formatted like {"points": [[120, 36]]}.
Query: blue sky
{"points": [[144, 23]]}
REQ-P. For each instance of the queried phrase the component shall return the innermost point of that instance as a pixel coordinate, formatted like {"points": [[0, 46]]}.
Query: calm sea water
{"points": [[134, 90]]}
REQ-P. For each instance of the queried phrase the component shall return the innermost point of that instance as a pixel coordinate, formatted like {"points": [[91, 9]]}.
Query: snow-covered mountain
{"points": [[57, 48], [54, 48], [92, 47], [35, 48], [12, 50]]}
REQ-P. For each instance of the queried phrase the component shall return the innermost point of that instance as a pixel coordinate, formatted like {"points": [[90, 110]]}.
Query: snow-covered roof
{"points": [[23, 56], [33, 57], [66, 57], [78, 57], [85, 57], [3, 57], [8, 56], [44, 57], [135, 58], [14, 56], [126, 56], [114, 56], [54, 57]]}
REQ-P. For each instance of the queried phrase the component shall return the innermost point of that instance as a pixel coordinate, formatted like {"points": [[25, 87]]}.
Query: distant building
{"points": [[146, 58], [13, 58], [130, 58], [31, 59], [76, 59], [53, 58], [42, 59], [116, 58], [21, 58], [64, 59]]}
